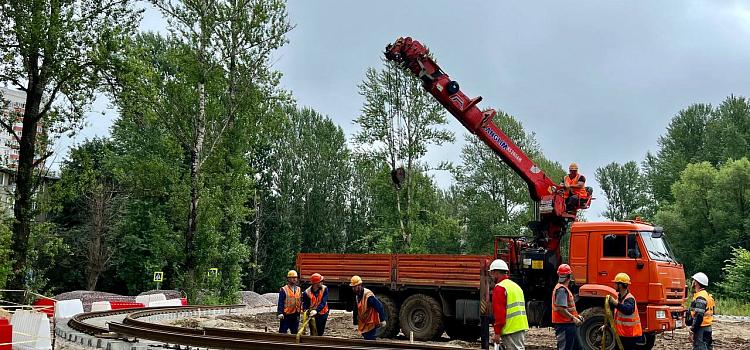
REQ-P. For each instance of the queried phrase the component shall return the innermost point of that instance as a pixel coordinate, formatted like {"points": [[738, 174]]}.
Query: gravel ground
{"points": [[253, 299], [271, 297], [728, 335]]}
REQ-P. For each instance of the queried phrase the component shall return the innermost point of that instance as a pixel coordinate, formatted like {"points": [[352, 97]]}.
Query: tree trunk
{"points": [[195, 173], [256, 247], [23, 210]]}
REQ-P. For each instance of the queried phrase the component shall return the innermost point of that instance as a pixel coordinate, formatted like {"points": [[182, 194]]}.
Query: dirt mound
{"points": [[271, 297], [252, 299]]}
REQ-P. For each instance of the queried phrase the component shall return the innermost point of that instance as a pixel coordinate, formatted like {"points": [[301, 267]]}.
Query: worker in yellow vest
{"points": [[369, 314], [290, 304], [701, 314], [627, 320], [509, 309], [315, 303]]}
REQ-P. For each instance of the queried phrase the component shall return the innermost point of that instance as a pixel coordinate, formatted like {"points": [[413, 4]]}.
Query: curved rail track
{"points": [[133, 326]]}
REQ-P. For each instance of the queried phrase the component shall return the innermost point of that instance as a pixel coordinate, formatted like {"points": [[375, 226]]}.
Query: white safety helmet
{"points": [[701, 278], [499, 264]]}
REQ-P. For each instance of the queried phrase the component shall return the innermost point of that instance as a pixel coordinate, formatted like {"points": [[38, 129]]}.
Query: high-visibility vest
{"points": [[316, 299], [367, 317], [515, 308], [557, 316], [581, 192], [628, 325], [708, 316], [293, 300]]}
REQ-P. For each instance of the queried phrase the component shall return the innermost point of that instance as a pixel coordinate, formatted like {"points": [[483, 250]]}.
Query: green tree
{"points": [[737, 281], [213, 70], [710, 214], [625, 190], [399, 121], [56, 52], [89, 203], [685, 142]]}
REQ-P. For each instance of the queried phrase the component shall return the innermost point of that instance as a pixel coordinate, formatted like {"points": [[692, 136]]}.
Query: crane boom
{"points": [[413, 56], [550, 217]]}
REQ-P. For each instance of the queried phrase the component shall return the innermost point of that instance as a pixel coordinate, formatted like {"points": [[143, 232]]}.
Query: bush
{"points": [[737, 270]]}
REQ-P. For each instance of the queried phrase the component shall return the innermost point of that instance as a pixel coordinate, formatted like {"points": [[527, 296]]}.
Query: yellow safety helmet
{"points": [[356, 280], [573, 166], [291, 273], [622, 277]]}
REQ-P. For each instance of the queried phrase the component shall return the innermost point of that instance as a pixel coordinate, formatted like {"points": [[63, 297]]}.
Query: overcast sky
{"points": [[597, 81]]}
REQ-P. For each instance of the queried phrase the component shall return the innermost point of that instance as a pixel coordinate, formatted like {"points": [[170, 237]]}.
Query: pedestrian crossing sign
{"points": [[213, 272], [158, 276]]}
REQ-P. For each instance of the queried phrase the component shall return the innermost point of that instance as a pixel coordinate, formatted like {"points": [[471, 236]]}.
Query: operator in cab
{"points": [[565, 317], [575, 188], [627, 321], [701, 314], [509, 308]]}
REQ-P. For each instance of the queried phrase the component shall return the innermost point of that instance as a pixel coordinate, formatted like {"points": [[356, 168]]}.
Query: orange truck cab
{"points": [[600, 250]]}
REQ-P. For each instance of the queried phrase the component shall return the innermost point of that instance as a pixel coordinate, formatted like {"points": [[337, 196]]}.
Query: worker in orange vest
{"points": [[315, 302], [369, 314], [575, 188], [701, 316], [627, 321], [290, 304], [565, 317]]}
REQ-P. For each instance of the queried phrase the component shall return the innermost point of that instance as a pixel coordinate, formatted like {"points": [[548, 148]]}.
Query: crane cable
{"points": [[305, 320], [608, 317]]}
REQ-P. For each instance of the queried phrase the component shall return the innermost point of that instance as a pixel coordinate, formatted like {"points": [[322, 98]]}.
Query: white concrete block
{"points": [[31, 331], [68, 308], [143, 299], [100, 306]]}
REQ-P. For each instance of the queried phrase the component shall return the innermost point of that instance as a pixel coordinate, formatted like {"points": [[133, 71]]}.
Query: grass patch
{"points": [[731, 307]]}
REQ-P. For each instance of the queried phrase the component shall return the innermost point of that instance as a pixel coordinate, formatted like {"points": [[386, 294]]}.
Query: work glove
{"points": [[382, 323], [313, 313], [281, 316]]}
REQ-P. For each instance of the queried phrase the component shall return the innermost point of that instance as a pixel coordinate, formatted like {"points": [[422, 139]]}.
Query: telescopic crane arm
{"points": [[413, 56]]}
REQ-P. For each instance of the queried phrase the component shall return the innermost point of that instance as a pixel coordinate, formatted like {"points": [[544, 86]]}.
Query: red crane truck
{"points": [[428, 294]]}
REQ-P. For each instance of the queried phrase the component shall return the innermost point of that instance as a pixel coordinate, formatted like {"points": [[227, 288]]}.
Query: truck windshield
{"points": [[658, 248]]}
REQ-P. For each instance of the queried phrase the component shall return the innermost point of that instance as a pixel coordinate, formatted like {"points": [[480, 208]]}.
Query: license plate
{"points": [[678, 324]]}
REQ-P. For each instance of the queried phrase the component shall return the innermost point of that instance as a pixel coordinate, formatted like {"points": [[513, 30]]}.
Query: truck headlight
{"points": [[661, 314]]}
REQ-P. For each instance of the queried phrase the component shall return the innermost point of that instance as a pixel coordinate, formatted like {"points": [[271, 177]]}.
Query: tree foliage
{"points": [[399, 121], [57, 52], [737, 270], [625, 189]]}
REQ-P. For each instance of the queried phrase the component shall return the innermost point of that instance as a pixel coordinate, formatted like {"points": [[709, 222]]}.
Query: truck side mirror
{"points": [[632, 253], [658, 232]]}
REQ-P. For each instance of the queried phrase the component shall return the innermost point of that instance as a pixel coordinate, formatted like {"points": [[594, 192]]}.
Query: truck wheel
{"points": [[423, 315], [458, 330], [391, 328], [591, 333], [650, 341]]}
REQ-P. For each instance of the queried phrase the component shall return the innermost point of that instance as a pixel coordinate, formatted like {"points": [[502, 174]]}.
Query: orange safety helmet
{"points": [[564, 270], [573, 166], [316, 278]]}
